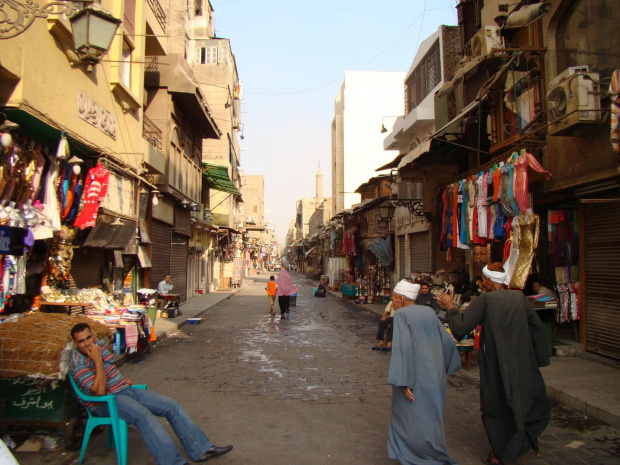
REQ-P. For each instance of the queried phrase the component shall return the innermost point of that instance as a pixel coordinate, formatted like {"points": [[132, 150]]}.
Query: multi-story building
{"points": [[365, 98], [531, 96], [435, 62], [98, 107], [178, 107]]}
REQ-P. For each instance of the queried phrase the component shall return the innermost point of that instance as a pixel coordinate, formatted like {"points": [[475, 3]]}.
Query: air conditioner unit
{"points": [[486, 39], [573, 101]]}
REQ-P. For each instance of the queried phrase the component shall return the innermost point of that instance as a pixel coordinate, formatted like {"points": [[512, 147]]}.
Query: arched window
{"points": [[588, 34]]}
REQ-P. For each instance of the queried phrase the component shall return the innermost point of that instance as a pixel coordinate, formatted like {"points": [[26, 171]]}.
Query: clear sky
{"points": [[291, 58]]}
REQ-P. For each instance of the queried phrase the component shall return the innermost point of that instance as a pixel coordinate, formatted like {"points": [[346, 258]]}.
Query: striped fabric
{"points": [[82, 369]]}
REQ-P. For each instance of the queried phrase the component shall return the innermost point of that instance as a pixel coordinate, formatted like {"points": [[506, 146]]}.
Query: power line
{"points": [[361, 66]]}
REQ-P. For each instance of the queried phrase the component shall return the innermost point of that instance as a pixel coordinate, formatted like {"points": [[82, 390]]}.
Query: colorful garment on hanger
{"points": [[49, 210], [521, 189], [526, 227], [95, 191]]}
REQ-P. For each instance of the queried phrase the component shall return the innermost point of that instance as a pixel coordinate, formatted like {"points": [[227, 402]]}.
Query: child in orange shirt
{"points": [[271, 292]]}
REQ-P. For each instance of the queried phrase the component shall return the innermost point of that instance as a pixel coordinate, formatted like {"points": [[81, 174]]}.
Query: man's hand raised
{"points": [[94, 352]]}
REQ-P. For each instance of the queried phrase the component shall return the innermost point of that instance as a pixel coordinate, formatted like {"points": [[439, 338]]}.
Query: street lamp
{"points": [[93, 31], [386, 211]]}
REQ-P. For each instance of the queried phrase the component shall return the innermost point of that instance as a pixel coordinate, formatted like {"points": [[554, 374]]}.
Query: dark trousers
{"points": [[383, 325], [283, 303]]}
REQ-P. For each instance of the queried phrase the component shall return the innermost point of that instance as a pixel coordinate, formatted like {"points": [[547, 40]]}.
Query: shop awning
{"points": [[40, 128], [415, 153], [111, 232], [216, 177], [454, 123], [176, 76], [143, 257], [382, 248]]}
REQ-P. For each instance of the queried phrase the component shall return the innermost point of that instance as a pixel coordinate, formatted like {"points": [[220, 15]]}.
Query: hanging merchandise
{"points": [[59, 258], [614, 94], [525, 230], [47, 206], [95, 191]]}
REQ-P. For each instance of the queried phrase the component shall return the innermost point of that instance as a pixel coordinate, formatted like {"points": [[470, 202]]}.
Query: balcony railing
{"points": [[159, 13], [151, 133]]}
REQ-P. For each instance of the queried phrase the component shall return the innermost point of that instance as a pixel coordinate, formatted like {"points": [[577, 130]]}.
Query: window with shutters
{"points": [[210, 55], [129, 16], [424, 78]]}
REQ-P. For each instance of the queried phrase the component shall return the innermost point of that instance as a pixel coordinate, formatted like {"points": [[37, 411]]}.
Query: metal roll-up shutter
{"points": [[601, 230], [161, 237], [178, 265], [87, 267], [420, 251], [402, 257]]}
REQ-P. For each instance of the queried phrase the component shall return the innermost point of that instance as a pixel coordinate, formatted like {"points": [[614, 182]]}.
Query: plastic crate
{"points": [[350, 290]]}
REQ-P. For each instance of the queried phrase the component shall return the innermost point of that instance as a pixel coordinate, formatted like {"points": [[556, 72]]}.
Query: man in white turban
{"points": [[513, 399], [423, 353]]}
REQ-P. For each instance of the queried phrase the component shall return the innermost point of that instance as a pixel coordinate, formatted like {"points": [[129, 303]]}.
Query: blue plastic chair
{"points": [[117, 427]]}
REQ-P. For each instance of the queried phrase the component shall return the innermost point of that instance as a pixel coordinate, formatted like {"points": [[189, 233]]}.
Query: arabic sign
{"points": [[32, 400], [91, 112]]}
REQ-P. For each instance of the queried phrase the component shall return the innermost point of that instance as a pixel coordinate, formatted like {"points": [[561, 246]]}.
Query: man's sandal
{"points": [[489, 459]]}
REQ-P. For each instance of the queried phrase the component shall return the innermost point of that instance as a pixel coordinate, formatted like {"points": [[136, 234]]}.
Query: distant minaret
{"points": [[319, 184]]}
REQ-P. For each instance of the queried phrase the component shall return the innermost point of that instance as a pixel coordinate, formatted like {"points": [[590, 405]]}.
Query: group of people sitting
{"points": [[420, 292]]}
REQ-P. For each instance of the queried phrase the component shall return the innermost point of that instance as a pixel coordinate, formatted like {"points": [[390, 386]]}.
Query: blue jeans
{"points": [[139, 407]]}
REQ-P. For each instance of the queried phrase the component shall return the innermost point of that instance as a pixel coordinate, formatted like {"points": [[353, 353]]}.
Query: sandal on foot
{"points": [[489, 459], [386, 349], [377, 348]]}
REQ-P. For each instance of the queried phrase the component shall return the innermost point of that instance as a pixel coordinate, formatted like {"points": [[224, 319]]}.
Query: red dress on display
{"points": [[520, 187], [94, 192]]}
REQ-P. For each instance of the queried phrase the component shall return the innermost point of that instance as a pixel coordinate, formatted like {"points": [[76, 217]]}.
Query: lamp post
{"points": [[93, 31]]}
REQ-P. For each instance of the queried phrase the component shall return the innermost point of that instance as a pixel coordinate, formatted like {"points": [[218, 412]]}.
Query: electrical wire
{"points": [[361, 66]]}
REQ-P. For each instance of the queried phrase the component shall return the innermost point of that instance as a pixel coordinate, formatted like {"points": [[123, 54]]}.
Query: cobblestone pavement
{"points": [[308, 390]]}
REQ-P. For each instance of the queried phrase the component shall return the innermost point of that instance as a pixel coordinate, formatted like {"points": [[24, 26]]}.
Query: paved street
{"points": [[309, 391]]}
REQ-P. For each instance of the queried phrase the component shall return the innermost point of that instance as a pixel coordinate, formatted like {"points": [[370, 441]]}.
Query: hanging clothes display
{"points": [[95, 191]]}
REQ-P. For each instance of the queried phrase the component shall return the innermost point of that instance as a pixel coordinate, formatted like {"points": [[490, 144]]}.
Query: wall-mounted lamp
{"points": [[6, 127], [93, 31], [184, 203], [386, 211], [74, 162], [156, 196], [383, 128]]}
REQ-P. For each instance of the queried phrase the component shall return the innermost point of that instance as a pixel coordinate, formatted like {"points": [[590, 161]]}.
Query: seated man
{"points": [[405, 288], [94, 373]]}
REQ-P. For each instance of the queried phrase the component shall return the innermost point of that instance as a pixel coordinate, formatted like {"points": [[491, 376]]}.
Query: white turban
{"points": [[495, 276], [405, 288]]}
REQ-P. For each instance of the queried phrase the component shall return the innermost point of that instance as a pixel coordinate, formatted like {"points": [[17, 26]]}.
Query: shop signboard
{"points": [[12, 240]]}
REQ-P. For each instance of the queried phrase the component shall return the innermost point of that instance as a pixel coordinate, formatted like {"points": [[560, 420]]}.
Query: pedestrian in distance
{"points": [[286, 288], [513, 346], [94, 373], [423, 354], [271, 293]]}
